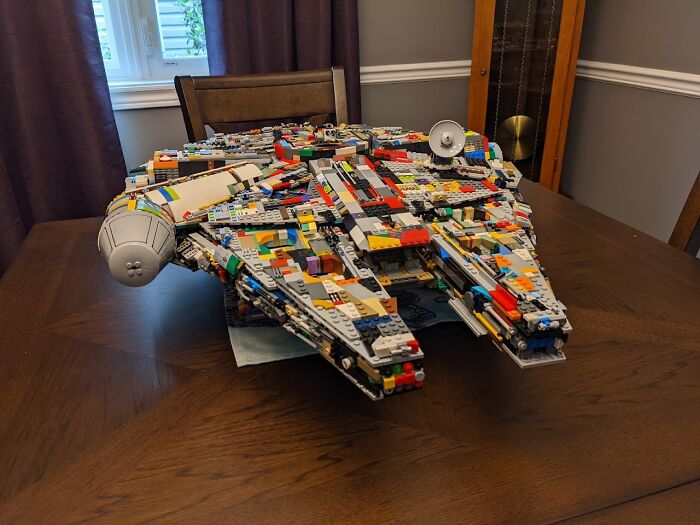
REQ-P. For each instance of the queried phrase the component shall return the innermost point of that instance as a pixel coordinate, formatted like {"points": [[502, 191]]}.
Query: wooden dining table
{"points": [[126, 405]]}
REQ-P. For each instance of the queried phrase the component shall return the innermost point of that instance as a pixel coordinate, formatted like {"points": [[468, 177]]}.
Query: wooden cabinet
{"points": [[524, 55]]}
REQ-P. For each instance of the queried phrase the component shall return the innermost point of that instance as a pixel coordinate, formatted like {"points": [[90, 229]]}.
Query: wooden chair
{"points": [[686, 234], [222, 101]]}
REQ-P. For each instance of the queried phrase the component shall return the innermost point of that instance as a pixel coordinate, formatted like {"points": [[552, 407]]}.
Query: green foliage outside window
{"points": [[194, 21], [106, 51]]}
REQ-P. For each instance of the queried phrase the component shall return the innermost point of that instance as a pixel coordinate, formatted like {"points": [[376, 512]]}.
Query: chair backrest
{"points": [[686, 234], [220, 101]]}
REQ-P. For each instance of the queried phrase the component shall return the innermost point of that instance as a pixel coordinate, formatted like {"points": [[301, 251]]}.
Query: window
{"points": [[151, 40]]}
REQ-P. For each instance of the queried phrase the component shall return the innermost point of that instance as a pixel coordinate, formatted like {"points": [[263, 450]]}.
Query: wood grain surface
{"points": [[125, 405]]}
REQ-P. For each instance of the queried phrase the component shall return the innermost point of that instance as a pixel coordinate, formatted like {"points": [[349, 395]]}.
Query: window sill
{"points": [[141, 95]]}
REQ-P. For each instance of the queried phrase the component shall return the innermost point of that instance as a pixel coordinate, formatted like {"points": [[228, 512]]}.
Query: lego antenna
{"points": [[447, 139]]}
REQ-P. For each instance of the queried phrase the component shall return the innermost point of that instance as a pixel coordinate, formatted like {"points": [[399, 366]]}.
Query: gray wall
{"points": [[633, 154], [416, 105], [646, 33], [408, 32], [391, 32], [143, 131], [412, 31]]}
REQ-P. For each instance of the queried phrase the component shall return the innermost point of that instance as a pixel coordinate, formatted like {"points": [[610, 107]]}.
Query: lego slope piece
{"points": [[318, 230]]}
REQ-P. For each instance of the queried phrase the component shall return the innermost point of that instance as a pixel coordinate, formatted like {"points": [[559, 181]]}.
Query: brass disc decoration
{"points": [[523, 51], [518, 130]]}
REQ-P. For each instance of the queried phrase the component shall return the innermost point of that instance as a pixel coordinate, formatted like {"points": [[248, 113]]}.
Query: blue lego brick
{"points": [[475, 154], [481, 291], [534, 344]]}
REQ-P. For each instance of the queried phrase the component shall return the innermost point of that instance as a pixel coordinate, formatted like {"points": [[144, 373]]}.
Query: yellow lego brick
{"points": [[264, 237], [372, 373], [376, 305], [345, 196], [310, 278], [382, 243], [326, 347], [305, 219], [389, 383], [474, 241], [488, 326], [328, 305], [425, 277], [302, 238], [291, 311]]}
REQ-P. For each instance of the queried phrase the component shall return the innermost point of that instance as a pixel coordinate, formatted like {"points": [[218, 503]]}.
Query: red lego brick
{"points": [[504, 299], [415, 237], [393, 186], [279, 151], [291, 200], [350, 189], [489, 185], [324, 195], [394, 203]]}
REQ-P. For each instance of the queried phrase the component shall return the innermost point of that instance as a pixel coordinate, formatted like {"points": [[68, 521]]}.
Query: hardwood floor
{"points": [[125, 405]]}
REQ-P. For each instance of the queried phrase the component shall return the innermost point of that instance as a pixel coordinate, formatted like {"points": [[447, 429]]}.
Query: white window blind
{"points": [[181, 28]]}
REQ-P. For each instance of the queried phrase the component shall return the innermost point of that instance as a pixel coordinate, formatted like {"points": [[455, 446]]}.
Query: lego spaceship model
{"points": [[316, 229]]}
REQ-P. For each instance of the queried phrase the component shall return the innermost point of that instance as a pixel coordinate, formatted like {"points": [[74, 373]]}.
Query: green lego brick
{"points": [[232, 265]]}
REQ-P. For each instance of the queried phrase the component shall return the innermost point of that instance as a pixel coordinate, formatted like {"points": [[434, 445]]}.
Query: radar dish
{"points": [[447, 139]]}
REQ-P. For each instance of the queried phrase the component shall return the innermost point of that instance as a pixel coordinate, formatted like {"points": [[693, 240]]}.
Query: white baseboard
{"points": [[661, 80], [420, 72]]}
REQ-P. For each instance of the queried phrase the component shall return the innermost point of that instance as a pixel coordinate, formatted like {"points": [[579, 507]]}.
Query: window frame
{"points": [[143, 80], [159, 68]]}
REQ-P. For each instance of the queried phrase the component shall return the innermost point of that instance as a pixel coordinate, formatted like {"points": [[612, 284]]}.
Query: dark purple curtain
{"points": [[252, 36], [60, 156]]}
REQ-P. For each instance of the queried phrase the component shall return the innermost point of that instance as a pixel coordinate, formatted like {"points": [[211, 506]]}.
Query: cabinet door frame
{"points": [[563, 79]]}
